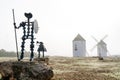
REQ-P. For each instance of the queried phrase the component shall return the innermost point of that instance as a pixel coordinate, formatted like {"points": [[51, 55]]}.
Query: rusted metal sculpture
{"points": [[28, 33]]}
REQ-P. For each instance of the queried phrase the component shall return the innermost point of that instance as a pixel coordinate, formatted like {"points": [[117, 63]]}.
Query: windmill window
{"points": [[75, 47]]}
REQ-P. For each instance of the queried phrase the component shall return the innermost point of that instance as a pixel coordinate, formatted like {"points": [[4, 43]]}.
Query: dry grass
{"points": [[66, 68]]}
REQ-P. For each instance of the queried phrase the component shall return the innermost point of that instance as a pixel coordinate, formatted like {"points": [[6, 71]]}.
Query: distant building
{"points": [[102, 49], [79, 46]]}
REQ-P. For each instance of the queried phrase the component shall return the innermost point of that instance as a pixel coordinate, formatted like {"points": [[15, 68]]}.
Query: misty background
{"points": [[59, 23]]}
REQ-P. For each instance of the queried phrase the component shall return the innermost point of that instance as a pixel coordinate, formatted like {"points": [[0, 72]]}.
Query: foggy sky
{"points": [[60, 21]]}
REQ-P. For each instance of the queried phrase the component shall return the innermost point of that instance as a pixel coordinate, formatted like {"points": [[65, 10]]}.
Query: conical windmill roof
{"points": [[102, 43], [79, 38]]}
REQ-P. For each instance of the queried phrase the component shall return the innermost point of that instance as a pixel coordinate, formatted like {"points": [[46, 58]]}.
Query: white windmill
{"points": [[79, 46], [101, 47]]}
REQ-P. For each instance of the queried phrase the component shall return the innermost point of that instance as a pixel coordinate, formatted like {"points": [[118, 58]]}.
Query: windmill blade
{"points": [[104, 37], [95, 39], [93, 47]]}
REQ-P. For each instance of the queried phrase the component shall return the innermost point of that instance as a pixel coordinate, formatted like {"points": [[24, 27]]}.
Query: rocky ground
{"points": [[25, 70]]}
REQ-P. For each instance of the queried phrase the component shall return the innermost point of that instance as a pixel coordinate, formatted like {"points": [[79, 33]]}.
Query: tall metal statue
{"points": [[41, 48], [28, 33]]}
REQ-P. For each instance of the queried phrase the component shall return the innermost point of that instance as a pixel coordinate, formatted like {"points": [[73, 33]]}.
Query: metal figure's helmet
{"points": [[28, 15]]}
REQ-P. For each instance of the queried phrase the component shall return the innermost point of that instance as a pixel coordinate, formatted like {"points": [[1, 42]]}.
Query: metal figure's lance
{"points": [[28, 33], [15, 34]]}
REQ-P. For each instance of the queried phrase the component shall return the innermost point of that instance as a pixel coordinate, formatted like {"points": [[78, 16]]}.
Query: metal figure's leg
{"points": [[39, 54], [43, 54], [22, 47], [23, 43], [31, 48], [32, 44]]}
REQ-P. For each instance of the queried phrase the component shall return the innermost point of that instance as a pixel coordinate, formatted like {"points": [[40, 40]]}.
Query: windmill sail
{"points": [[101, 47]]}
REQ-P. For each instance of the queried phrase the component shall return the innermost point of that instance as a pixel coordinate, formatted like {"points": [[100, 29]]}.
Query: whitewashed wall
{"points": [[102, 50], [81, 48]]}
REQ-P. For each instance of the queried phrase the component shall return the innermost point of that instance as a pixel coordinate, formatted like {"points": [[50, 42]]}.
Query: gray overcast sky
{"points": [[60, 21]]}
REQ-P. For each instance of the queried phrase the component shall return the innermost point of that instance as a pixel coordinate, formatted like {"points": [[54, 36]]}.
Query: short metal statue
{"points": [[28, 33], [41, 48]]}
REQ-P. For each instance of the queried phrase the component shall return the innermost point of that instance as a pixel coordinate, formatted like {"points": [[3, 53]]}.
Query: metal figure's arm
{"points": [[22, 24]]}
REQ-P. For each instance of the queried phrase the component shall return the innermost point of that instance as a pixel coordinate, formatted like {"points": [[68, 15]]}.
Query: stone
{"points": [[25, 71]]}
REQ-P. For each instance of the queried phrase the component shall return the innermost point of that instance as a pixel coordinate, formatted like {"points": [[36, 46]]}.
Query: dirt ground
{"points": [[66, 68]]}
